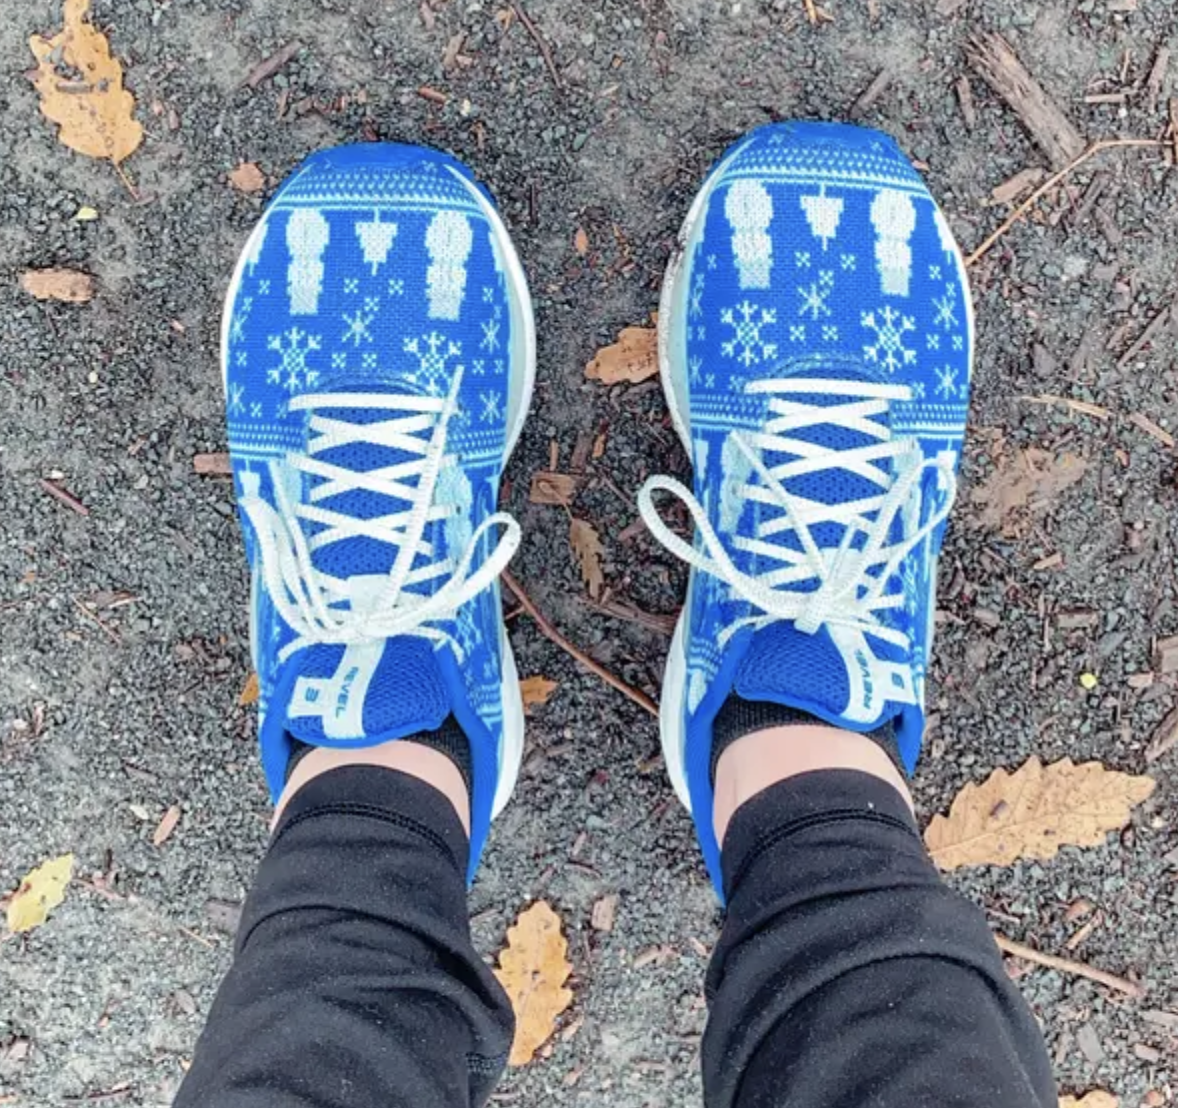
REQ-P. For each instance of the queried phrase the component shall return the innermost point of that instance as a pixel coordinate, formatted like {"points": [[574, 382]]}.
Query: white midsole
{"points": [[523, 332], [672, 313]]}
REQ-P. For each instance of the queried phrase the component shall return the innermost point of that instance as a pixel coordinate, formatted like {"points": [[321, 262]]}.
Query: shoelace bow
{"points": [[848, 592], [321, 608]]}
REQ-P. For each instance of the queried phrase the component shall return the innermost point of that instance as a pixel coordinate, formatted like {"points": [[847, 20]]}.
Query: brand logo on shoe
{"points": [[865, 676], [345, 691]]}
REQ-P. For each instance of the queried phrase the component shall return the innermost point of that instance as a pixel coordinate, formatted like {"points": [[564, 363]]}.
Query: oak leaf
{"points": [[1098, 1098], [42, 890], [81, 88], [68, 285], [536, 691], [633, 358], [587, 549], [533, 968], [247, 177], [1032, 812]]}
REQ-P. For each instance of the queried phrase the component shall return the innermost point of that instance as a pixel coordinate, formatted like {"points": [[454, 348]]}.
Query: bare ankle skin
{"points": [[424, 762], [753, 763]]}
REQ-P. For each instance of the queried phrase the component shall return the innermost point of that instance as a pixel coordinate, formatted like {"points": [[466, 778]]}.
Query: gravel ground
{"points": [[123, 632]]}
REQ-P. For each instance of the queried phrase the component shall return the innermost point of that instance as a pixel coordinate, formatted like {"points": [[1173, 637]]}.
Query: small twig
{"points": [[128, 184], [545, 50], [1156, 324], [64, 496], [1051, 182], [550, 632], [1067, 965], [271, 65], [108, 631]]}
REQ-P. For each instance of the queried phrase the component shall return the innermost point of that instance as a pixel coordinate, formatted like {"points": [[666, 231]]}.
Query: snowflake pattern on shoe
{"points": [[861, 307], [352, 422]]}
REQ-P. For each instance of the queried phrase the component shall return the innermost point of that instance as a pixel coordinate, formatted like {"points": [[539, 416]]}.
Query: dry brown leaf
{"points": [[249, 693], [67, 285], [1030, 478], [587, 549], [167, 825], [533, 968], [247, 177], [1032, 812], [552, 488], [536, 691], [81, 87], [633, 358], [581, 242], [42, 890], [1096, 1099]]}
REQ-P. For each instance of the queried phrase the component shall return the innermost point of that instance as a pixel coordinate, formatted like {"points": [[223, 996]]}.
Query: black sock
{"points": [[739, 717], [449, 739]]}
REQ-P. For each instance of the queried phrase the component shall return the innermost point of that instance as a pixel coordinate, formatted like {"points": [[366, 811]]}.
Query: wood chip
{"points": [[247, 177], [67, 285], [1165, 738], [166, 826], [965, 98], [212, 465], [605, 913], [1052, 561], [1022, 182], [998, 65], [427, 92], [552, 488], [581, 242], [1165, 655], [264, 70], [1168, 1021], [1157, 78]]}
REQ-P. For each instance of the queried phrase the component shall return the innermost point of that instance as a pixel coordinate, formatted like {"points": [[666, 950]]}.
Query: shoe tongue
{"points": [[785, 666], [381, 690], [829, 485], [818, 673]]}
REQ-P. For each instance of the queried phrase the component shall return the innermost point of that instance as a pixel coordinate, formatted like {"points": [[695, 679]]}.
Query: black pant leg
{"points": [[354, 981], [848, 975]]}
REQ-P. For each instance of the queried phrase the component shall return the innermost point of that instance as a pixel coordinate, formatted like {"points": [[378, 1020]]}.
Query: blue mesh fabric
{"points": [[375, 270], [821, 253]]}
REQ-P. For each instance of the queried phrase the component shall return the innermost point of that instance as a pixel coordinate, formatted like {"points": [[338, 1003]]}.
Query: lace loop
{"points": [[321, 608], [844, 584]]}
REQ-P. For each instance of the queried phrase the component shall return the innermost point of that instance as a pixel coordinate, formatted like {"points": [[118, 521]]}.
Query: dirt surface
{"points": [[123, 631]]}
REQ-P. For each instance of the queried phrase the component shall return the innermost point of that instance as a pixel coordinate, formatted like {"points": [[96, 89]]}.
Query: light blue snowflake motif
{"points": [[433, 353], [292, 371], [236, 403], [358, 322], [815, 296], [747, 321], [888, 349], [239, 319], [947, 382], [946, 317], [490, 339], [492, 411]]}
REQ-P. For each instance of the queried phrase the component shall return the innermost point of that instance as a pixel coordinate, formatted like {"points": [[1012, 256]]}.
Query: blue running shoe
{"points": [[378, 352], [816, 337]]}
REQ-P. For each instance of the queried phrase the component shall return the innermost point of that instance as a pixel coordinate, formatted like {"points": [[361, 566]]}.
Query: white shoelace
{"points": [[849, 593], [321, 608]]}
